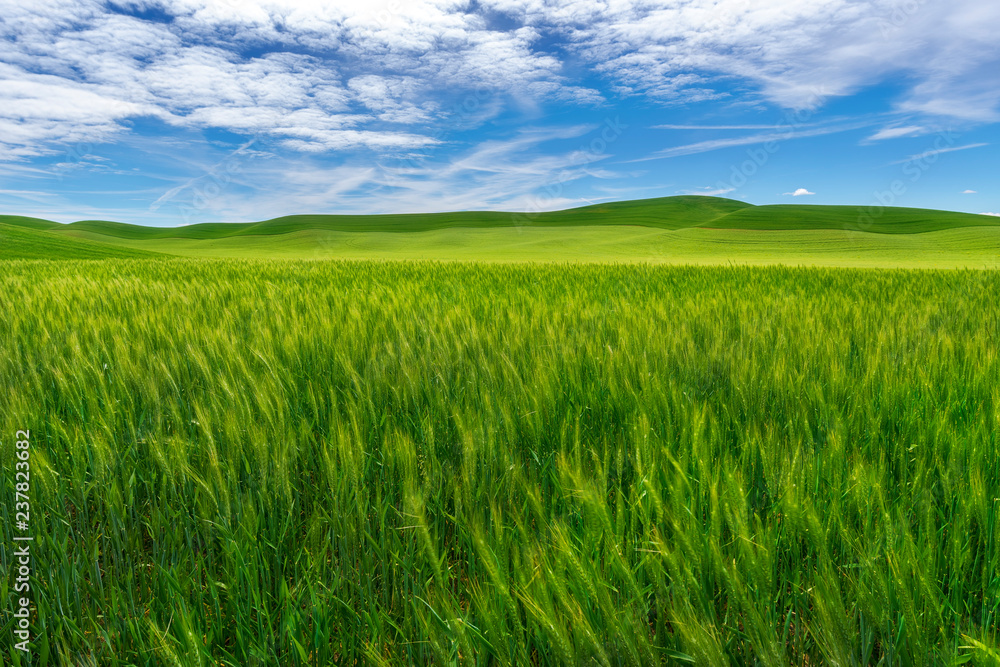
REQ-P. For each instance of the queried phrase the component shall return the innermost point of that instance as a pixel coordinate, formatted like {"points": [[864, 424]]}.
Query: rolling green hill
{"points": [[685, 229], [29, 223], [29, 238], [884, 220], [664, 213]]}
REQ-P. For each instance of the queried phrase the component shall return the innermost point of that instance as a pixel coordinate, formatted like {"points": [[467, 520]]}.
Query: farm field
{"points": [[246, 461], [969, 247], [670, 230]]}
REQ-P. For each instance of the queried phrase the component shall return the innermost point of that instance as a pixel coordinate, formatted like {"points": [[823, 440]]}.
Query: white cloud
{"points": [[323, 76], [780, 134], [40, 108], [716, 127], [375, 73], [896, 132], [939, 151], [799, 193], [520, 172], [799, 53], [707, 191], [969, 192], [988, 213]]}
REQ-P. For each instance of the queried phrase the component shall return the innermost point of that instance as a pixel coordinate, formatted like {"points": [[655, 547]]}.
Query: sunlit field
{"points": [[241, 462], [684, 230]]}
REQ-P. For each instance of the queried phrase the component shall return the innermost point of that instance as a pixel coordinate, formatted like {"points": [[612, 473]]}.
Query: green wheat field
{"points": [[285, 462]]}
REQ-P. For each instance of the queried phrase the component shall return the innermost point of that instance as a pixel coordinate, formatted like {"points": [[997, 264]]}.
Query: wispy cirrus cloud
{"points": [[708, 191], [716, 127], [790, 132], [494, 174], [897, 131], [939, 151]]}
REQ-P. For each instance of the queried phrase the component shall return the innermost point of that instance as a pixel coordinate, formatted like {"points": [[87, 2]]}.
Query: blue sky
{"points": [[185, 111]]}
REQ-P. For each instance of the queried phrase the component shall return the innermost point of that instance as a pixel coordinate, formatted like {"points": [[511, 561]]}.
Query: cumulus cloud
{"points": [[989, 213], [800, 192], [318, 77], [375, 73], [969, 192], [799, 53], [389, 82]]}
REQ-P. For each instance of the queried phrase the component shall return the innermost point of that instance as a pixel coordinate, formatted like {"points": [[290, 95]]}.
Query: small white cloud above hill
{"points": [[989, 213], [799, 193]]}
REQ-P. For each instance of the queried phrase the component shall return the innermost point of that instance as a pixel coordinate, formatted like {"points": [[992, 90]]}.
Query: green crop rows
{"points": [[344, 463]]}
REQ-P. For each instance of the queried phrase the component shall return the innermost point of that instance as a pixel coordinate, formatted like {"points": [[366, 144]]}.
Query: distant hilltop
{"points": [[488, 234]]}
